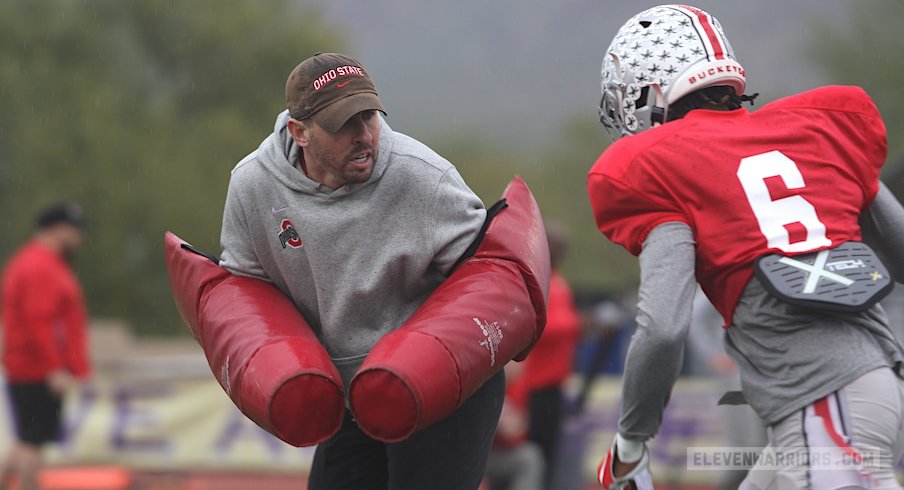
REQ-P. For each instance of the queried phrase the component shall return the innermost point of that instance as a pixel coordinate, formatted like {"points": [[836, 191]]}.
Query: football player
{"points": [[767, 210]]}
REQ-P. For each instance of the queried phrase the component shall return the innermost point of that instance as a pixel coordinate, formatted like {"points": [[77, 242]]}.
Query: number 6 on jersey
{"points": [[774, 215]]}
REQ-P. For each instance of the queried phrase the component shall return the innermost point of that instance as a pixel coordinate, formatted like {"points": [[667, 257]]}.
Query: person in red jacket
{"points": [[515, 462], [551, 361], [44, 336]]}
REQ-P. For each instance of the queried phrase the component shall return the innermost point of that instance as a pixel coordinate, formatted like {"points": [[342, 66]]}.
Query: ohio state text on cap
{"points": [[330, 88]]}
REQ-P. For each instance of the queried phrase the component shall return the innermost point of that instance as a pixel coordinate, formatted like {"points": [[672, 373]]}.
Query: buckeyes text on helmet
{"points": [[656, 58]]}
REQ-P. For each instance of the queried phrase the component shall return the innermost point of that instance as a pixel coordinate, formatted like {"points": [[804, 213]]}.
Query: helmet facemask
{"points": [[628, 107]]}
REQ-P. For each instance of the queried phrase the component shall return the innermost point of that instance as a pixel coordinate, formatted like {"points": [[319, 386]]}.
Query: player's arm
{"points": [[656, 352], [883, 229], [667, 286], [455, 220]]}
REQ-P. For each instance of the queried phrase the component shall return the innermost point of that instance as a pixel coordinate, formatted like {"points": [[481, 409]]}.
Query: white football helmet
{"points": [[658, 57]]}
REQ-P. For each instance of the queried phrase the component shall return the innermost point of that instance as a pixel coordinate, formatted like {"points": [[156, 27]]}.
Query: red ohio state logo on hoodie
{"points": [[288, 236]]}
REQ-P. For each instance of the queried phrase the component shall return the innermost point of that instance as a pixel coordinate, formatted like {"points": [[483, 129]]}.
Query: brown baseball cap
{"points": [[330, 88]]}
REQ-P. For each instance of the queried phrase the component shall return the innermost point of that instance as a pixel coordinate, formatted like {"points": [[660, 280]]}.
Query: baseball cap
{"points": [[62, 212], [330, 88]]}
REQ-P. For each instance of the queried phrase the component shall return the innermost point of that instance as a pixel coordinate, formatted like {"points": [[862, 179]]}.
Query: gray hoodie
{"points": [[356, 261]]}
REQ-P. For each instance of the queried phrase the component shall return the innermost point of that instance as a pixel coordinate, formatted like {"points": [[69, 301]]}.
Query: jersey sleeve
{"points": [[626, 204], [866, 136], [854, 126]]}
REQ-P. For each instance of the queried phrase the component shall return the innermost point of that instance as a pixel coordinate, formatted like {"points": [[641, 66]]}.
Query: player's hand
{"points": [[616, 475], [61, 382]]}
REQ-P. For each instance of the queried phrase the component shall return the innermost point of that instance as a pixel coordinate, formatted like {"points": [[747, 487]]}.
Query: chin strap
{"points": [[657, 115], [749, 98], [744, 98]]}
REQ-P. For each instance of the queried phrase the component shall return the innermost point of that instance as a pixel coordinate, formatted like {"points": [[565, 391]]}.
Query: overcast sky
{"points": [[515, 69]]}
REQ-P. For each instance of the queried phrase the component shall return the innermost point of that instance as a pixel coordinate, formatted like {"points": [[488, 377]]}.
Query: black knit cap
{"points": [[62, 212]]}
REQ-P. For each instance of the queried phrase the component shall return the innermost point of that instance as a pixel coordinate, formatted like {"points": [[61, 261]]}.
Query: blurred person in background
{"points": [[44, 337], [515, 462], [551, 362], [607, 327]]}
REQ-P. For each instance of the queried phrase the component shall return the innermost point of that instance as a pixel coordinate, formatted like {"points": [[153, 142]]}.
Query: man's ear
{"points": [[300, 132]]}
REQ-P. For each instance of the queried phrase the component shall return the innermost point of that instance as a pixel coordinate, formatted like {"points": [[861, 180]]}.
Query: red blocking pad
{"points": [[259, 347], [518, 235], [491, 310]]}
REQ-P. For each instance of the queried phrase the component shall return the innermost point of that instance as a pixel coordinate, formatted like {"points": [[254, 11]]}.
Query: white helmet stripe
{"points": [[703, 23]]}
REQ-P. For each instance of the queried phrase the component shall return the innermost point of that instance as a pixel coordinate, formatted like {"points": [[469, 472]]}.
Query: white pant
{"points": [[864, 419]]}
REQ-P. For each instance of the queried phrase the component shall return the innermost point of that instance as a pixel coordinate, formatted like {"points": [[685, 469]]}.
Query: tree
{"points": [[865, 51], [139, 110]]}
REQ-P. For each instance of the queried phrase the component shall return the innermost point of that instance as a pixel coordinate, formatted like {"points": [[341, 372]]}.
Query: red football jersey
{"points": [[791, 177]]}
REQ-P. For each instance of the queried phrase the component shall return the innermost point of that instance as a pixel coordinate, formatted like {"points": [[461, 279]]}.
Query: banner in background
{"points": [[190, 423], [164, 424]]}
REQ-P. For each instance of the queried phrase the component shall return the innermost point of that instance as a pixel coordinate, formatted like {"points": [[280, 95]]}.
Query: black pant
{"points": [[449, 455], [546, 411], [37, 412]]}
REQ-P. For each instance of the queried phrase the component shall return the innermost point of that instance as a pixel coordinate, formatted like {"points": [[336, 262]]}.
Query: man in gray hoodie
{"points": [[358, 225]]}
